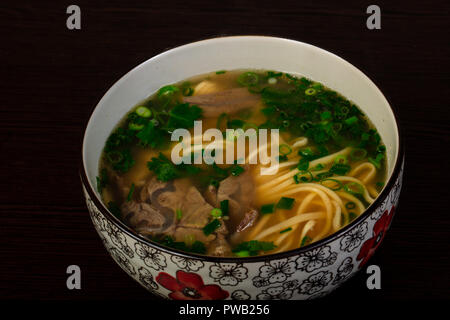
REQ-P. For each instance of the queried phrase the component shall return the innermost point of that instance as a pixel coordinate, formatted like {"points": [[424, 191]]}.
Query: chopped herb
{"points": [[354, 188], [166, 170], [254, 247], [183, 116], [318, 167], [236, 170], [285, 203], [341, 159], [196, 247], [179, 214], [216, 213], [268, 208], [352, 216], [358, 154], [211, 227], [340, 168], [224, 206], [305, 241], [302, 177], [220, 72], [338, 186], [243, 253], [286, 230], [285, 149], [130, 194], [248, 79], [379, 184], [143, 112], [303, 164]]}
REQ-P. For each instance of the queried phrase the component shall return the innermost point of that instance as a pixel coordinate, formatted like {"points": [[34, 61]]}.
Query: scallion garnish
{"points": [[285, 149], [358, 154], [224, 206], [216, 213], [354, 188], [211, 227], [179, 214], [268, 208], [305, 240], [351, 121], [143, 112], [350, 205], [285, 203], [286, 230], [130, 194]]}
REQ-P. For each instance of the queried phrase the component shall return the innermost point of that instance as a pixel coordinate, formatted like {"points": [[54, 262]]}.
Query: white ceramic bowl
{"points": [[304, 273]]}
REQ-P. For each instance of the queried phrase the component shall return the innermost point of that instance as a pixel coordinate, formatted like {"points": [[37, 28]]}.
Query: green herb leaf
{"points": [[211, 227], [285, 203]]}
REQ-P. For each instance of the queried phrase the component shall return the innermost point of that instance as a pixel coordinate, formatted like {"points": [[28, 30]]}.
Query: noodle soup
{"points": [[330, 164]]}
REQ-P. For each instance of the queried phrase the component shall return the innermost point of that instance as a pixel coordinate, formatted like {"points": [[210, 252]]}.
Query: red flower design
{"points": [[379, 231], [190, 286]]}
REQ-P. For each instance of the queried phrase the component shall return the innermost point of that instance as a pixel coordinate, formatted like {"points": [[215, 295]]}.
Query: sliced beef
{"points": [[211, 195], [239, 191], [145, 219], [219, 247], [227, 101], [168, 197]]}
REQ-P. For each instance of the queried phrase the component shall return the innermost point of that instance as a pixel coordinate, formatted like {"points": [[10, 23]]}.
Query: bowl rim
{"points": [[267, 257]]}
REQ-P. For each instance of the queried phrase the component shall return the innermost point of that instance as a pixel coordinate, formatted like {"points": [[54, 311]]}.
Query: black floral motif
{"points": [[396, 188], [380, 210], [260, 282], [274, 271], [240, 295], [151, 257], [316, 259], [122, 260], [354, 237], [119, 239], [187, 264], [228, 274], [344, 270], [315, 282], [146, 278], [275, 293]]}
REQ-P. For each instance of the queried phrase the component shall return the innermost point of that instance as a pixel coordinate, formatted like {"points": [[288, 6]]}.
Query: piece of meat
{"points": [[248, 220], [239, 191], [145, 219], [168, 197], [227, 101], [211, 195], [219, 247]]}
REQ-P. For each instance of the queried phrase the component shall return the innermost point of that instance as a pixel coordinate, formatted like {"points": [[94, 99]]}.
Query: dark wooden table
{"points": [[52, 77]]}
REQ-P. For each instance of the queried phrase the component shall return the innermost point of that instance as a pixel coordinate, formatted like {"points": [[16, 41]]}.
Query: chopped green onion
{"points": [[350, 205], [135, 127], [379, 184], [341, 159], [224, 205], [286, 230], [268, 208], [338, 187], [167, 91], [220, 72], [286, 123], [358, 154], [216, 213], [179, 214], [305, 240], [350, 121], [130, 194], [237, 170], [143, 112], [285, 203], [188, 91], [243, 253], [114, 157], [285, 149], [248, 79], [340, 169], [352, 216], [381, 149], [310, 91], [354, 188], [301, 177], [211, 227], [303, 164], [318, 167], [325, 115]]}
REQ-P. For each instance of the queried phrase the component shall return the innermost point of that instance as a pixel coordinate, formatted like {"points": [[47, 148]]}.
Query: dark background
{"points": [[52, 77]]}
